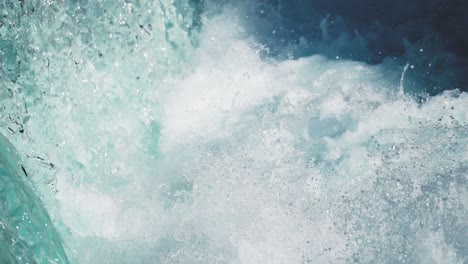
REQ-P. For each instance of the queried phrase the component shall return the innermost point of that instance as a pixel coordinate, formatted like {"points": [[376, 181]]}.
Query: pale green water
{"points": [[26, 232]]}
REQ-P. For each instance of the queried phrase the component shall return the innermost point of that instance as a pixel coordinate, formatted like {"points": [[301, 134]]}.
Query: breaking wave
{"points": [[200, 132]]}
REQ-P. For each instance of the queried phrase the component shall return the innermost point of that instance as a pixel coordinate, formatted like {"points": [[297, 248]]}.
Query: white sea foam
{"points": [[217, 155]]}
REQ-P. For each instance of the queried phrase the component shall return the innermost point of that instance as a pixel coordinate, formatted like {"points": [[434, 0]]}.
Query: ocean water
{"points": [[231, 132]]}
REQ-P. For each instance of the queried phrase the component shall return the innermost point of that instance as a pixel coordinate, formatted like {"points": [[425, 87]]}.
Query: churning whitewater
{"points": [[181, 132]]}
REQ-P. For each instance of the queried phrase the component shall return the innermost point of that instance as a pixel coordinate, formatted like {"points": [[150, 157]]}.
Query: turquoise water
{"points": [[26, 232], [167, 132]]}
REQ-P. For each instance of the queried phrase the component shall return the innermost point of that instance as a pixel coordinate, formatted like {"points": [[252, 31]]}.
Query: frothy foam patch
{"points": [[239, 159]]}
